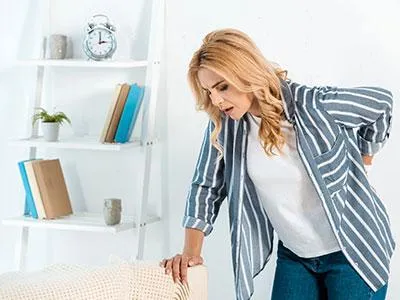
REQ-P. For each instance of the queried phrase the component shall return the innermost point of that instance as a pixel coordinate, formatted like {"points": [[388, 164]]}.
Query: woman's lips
{"points": [[228, 110]]}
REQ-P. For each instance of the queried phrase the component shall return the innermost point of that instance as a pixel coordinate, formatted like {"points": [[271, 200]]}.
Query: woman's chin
{"points": [[235, 117]]}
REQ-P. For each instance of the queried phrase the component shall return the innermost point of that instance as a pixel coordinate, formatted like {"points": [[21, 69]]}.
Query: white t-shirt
{"points": [[288, 195]]}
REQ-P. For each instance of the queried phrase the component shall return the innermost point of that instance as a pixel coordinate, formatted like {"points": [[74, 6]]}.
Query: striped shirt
{"points": [[334, 127]]}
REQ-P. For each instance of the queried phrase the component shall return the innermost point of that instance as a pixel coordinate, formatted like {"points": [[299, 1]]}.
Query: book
{"points": [[129, 114], [52, 187], [110, 113], [37, 197], [30, 208], [117, 113]]}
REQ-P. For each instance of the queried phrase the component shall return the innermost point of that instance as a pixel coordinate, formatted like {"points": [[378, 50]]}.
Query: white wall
{"points": [[343, 43]]}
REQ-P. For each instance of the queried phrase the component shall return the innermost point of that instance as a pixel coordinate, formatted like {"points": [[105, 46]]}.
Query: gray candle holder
{"points": [[58, 46], [112, 211]]}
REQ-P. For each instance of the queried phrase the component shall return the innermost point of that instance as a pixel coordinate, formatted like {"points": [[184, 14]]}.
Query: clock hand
{"points": [[99, 37]]}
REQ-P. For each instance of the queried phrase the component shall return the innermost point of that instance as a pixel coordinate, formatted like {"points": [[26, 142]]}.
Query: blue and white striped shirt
{"points": [[334, 127]]}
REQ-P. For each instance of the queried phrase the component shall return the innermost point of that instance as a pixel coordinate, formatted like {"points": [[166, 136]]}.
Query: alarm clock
{"points": [[100, 42]]}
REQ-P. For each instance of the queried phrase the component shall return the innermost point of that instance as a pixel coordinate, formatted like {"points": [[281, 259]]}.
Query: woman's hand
{"points": [[178, 265], [367, 159]]}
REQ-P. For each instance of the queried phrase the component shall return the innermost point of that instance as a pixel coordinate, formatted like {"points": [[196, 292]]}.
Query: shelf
{"points": [[79, 222], [82, 63], [87, 143]]}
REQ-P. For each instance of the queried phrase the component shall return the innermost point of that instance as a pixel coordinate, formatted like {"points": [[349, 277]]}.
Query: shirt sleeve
{"points": [[367, 108], [207, 190]]}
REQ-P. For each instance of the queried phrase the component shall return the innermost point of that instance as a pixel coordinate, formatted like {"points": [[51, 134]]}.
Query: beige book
{"points": [[37, 198], [52, 187], [117, 113], [110, 113]]}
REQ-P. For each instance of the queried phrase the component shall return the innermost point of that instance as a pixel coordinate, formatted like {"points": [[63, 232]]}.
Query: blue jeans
{"points": [[328, 276]]}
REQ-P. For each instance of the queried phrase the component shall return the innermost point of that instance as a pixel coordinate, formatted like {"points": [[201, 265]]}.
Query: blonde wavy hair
{"points": [[232, 55]]}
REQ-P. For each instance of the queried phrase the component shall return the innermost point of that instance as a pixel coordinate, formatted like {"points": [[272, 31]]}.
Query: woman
{"points": [[334, 233]]}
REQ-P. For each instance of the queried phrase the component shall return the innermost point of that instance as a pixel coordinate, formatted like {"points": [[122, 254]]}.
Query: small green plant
{"points": [[57, 117]]}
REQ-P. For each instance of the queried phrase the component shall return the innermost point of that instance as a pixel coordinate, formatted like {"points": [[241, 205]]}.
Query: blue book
{"points": [[136, 113], [30, 208], [129, 114]]}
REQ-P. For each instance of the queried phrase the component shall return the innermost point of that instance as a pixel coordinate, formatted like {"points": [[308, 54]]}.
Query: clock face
{"points": [[100, 43]]}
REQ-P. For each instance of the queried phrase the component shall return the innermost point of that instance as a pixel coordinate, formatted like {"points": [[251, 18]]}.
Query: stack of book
{"points": [[122, 113], [45, 189]]}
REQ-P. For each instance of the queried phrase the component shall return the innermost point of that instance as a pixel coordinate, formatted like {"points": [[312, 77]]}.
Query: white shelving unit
{"points": [[92, 222], [88, 143], [80, 222], [80, 63]]}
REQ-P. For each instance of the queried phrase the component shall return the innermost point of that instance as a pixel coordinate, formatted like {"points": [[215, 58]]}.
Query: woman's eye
{"points": [[207, 92], [224, 87]]}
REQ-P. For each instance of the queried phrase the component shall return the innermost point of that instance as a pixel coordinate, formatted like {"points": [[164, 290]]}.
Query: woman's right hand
{"points": [[178, 264]]}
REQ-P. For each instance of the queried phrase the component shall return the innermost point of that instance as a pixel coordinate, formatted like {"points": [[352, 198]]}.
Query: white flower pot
{"points": [[50, 131]]}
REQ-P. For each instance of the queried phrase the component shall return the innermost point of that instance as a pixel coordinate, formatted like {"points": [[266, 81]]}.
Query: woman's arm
{"points": [[207, 190], [204, 199], [369, 108], [193, 242]]}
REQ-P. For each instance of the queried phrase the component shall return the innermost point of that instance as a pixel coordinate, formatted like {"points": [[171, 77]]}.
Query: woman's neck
{"points": [[255, 110]]}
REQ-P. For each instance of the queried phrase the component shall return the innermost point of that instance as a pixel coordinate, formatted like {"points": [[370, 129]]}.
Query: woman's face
{"points": [[225, 96]]}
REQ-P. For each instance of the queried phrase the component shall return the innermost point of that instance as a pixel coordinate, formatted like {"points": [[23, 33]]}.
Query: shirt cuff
{"points": [[367, 147], [191, 222]]}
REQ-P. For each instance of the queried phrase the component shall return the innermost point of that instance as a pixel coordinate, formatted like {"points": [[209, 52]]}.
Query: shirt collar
{"points": [[287, 100]]}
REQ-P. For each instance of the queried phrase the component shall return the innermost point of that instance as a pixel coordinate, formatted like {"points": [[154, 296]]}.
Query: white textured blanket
{"points": [[141, 280]]}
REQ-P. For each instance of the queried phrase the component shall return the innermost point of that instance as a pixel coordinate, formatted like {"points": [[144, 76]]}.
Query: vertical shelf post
{"points": [[156, 40]]}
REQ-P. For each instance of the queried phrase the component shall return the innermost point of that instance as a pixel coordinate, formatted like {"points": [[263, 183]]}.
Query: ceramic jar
{"points": [[112, 211]]}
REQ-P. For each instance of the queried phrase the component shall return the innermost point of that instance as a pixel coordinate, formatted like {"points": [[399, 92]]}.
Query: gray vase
{"points": [[112, 211], [50, 131], [58, 46]]}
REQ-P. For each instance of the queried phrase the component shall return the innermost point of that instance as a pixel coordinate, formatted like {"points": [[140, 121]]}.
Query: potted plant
{"points": [[50, 123]]}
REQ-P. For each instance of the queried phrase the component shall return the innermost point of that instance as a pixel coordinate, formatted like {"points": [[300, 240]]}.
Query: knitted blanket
{"points": [[140, 280]]}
